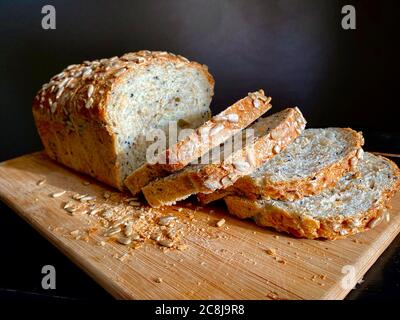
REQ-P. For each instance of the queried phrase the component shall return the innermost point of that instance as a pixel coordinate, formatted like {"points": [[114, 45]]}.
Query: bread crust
{"points": [[206, 177], [304, 226], [194, 146], [70, 111], [295, 188]]}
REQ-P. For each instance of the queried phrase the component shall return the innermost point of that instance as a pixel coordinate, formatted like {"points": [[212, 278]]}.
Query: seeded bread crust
{"points": [[305, 226], [293, 189], [70, 111], [286, 126], [227, 123]]}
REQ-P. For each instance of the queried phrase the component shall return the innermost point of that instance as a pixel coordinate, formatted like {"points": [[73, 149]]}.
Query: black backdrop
{"points": [[295, 50]]}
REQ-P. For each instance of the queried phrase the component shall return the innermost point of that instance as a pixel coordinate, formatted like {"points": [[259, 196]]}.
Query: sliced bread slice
{"points": [[314, 161], [355, 204], [271, 135], [226, 124]]}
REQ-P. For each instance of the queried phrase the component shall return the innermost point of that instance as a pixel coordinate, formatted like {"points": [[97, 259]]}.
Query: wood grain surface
{"points": [[231, 262]]}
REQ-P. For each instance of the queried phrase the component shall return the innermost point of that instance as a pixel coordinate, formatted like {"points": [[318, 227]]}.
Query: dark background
{"points": [[295, 50]]}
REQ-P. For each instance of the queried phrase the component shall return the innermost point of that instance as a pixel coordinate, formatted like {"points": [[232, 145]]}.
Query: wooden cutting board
{"points": [[220, 263]]}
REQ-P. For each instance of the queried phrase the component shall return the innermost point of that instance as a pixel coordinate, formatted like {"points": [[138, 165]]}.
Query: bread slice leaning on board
{"points": [[209, 135], [94, 116], [314, 161], [271, 135], [355, 204]]}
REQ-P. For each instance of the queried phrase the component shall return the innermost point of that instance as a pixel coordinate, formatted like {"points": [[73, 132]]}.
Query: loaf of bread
{"points": [[94, 116], [355, 204], [224, 126], [271, 135], [313, 162]]}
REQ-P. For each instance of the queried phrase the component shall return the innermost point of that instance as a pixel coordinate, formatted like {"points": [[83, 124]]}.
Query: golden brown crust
{"points": [[69, 111], [295, 188], [163, 192], [302, 226], [199, 142]]}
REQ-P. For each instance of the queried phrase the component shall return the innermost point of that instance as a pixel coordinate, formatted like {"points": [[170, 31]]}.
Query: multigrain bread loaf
{"points": [[355, 204], [209, 135], [271, 135], [314, 161], [94, 116]]}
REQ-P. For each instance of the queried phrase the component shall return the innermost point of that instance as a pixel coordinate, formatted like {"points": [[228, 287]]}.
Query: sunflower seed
{"points": [[276, 148], [119, 72], [78, 196], [53, 107], [134, 203], [94, 211], [75, 233], [164, 221], [67, 204], [58, 194], [220, 223], [242, 165], [128, 229], [70, 209], [124, 240], [166, 243], [156, 236], [87, 198], [131, 199], [112, 231], [41, 182], [90, 90], [232, 117]]}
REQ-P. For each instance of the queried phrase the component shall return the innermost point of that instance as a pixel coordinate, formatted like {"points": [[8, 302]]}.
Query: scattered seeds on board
{"points": [[87, 198], [112, 231], [123, 257], [166, 243], [220, 223], [58, 194], [41, 182], [158, 280], [156, 236], [182, 247], [78, 196], [164, 221], [128, 229], [124, 240], [270, 252]]}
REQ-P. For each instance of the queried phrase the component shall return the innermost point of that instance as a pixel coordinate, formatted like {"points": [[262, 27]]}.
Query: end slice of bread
{"points": [[227, 123], [355, 204], [314, 161], [270, 135], [95, 117]]}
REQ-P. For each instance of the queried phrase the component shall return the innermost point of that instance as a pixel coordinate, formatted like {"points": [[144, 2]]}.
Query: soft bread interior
{"points": [[149, 99], [314, 150], [354, 194]]}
